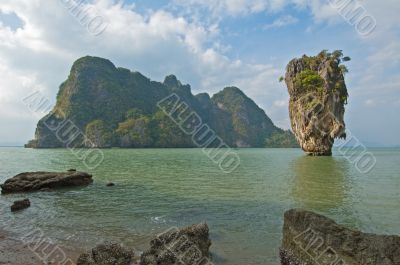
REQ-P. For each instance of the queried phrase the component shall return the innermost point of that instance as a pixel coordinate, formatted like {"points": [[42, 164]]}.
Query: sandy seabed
{"points": [[13, 251]]}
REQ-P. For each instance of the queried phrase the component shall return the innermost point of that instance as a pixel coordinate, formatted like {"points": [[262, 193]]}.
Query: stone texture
{"points": [[107, 254], [43, 181], [317, 100], [312, 239], [20, 205], [185, 246]]}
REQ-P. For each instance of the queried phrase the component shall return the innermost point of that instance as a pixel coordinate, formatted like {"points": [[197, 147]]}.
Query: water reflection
{"points": [[320, 183]]}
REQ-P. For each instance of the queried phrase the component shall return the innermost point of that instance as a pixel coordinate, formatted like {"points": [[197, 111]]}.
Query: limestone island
{"points": [[108, 106], [318, 96]]}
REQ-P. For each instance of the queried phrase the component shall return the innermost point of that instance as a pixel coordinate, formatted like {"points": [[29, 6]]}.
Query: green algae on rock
{"points": [[318, 96]]}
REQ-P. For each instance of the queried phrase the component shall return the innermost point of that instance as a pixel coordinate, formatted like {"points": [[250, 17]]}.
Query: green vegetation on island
{"points": [[318, 95], [114, 107]]}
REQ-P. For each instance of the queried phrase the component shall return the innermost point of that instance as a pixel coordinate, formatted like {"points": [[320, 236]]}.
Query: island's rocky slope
{"points": [[116, 107], [312, 239], [318, 95], [39, 181]]}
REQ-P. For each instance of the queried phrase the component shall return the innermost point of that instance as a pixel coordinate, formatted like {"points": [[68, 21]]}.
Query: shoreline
{"points": [[14, 251]]}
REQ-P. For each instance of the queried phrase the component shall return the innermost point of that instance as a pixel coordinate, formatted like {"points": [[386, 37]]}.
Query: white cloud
{"points": [[321, 10], [282, 22], [160, 42], [387, 56], [231, 7], [370, 102], [280, 103], [39, 55]]}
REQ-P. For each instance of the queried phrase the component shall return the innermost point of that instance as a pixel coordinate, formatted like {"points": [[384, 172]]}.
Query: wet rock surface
{"points": [[189, 245], [312, 239], [45, 181], [107, 253], [318, 94], [175, 246], [20, 205]]}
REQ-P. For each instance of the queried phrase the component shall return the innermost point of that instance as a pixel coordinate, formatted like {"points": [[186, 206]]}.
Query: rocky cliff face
{"points": [[248, 120], [312, 239], [318, 95], [190, 245], [109, 106], [184, 246]]}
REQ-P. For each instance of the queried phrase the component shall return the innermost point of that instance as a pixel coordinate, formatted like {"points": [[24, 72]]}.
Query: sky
{"points": [[209, 44]]}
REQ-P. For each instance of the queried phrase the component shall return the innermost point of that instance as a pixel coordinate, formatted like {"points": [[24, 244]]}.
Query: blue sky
{"points": [[208, 44]]}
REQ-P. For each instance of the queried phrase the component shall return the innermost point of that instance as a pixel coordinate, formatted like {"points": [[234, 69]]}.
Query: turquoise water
{"points": [[160, 188]]}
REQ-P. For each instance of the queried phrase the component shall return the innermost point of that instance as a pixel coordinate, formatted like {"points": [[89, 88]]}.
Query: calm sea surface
{"points": [[160, 188]]}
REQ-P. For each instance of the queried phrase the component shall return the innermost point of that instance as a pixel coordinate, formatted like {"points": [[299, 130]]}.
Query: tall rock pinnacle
{"points": [[318, 95]]}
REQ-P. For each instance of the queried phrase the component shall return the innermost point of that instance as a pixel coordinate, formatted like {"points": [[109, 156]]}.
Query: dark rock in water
{"points": [[37, 181], [71, 170], [110, 184], [187, 246], [107, 254], [312, 239], [20, 205], [179, 246], [318, 96]]}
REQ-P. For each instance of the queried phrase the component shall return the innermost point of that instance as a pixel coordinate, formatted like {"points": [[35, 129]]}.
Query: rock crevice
{"points": [[175, 246], [318, 96], [312, 239]]}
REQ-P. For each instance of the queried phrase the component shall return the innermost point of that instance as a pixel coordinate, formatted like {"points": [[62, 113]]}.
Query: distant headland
{"points": [[101, 106]]}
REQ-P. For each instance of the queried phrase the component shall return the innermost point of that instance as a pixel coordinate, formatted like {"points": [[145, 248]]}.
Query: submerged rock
{"points": [[107, 254], [20, 205], [185, 246], [318, 95], [42, 181], [110, 184], [312, 239]]}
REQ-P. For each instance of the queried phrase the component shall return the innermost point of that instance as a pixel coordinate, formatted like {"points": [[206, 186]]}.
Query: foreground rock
{"points": [[36, 181], [20, 205], [318, 95], [107, 254], [189, 245], [186, 246], [312, 239]]}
